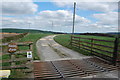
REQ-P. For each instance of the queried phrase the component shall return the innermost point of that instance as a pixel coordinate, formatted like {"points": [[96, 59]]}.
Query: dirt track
{"points": [[49, 50]]}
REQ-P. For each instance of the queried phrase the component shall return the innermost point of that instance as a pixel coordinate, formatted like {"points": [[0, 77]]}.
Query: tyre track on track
{"points": [[49, 50]]}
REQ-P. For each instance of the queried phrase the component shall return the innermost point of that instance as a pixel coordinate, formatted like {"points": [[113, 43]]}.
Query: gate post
{"points": [[71, 40], [12, 59], [115, 52]]}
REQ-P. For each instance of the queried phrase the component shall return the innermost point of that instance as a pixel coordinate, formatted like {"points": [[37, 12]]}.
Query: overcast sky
{"points": [[57, 15]]}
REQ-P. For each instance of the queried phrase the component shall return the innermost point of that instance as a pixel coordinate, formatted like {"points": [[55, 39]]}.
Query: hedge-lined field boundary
{"points": [[16, 37]]}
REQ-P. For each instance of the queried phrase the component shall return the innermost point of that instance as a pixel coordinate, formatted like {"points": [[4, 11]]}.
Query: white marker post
{"points": [[29, 54]]}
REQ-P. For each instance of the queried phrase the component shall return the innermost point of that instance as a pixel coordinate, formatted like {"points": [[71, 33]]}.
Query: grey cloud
{"points": [[95, 6], [109, 18], [18, 8]]}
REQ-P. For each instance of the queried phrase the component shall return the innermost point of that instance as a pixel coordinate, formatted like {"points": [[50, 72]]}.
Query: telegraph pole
{"points": [[73, 29]]}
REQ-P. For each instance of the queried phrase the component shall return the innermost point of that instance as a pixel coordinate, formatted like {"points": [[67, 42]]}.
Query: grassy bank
{"points": [[65, 41], [9, 38]]}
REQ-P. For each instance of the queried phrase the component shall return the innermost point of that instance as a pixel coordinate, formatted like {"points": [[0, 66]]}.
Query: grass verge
{"points": [[65, 41], [33, 37]]}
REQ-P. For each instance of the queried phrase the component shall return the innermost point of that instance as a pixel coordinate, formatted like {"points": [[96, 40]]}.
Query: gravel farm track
{"points": [[49, 50]]}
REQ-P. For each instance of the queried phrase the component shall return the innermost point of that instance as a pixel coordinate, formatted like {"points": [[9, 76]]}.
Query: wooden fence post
{"points": [[12, 59], [71, 40], [115, 52], [29, 46]]}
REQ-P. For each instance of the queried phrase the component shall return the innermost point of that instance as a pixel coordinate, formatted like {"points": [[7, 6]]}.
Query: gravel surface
{"points": [[49, 50]]}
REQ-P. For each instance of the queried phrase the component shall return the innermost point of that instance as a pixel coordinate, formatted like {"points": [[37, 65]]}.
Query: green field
{"points": [[66, 39]]}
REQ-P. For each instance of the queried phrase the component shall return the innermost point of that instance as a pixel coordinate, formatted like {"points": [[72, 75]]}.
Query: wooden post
{"points": [[115, 51], [30, 63], [12, 48], [12, 59], [31, 46], [71, 40]]}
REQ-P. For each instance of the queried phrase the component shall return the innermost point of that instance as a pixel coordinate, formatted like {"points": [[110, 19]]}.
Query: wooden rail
{"points": [[14, 67], [14, 58], [19, 59], [108, 52]]}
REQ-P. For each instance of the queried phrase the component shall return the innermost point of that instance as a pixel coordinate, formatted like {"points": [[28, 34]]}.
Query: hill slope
{"points": [[12, 30]]}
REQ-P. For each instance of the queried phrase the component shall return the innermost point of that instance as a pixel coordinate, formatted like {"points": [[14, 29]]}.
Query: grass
{"points": [[23, 47], [3, 57], [33, 37], [65, 41], [4, 49], [17, 73]]}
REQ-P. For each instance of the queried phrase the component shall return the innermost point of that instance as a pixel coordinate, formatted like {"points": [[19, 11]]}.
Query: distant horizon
{"points": [[58, 32]]}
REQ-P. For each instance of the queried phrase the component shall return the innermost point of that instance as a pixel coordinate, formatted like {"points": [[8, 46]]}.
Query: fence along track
{"points": [[112, 53], [70, 68]]}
